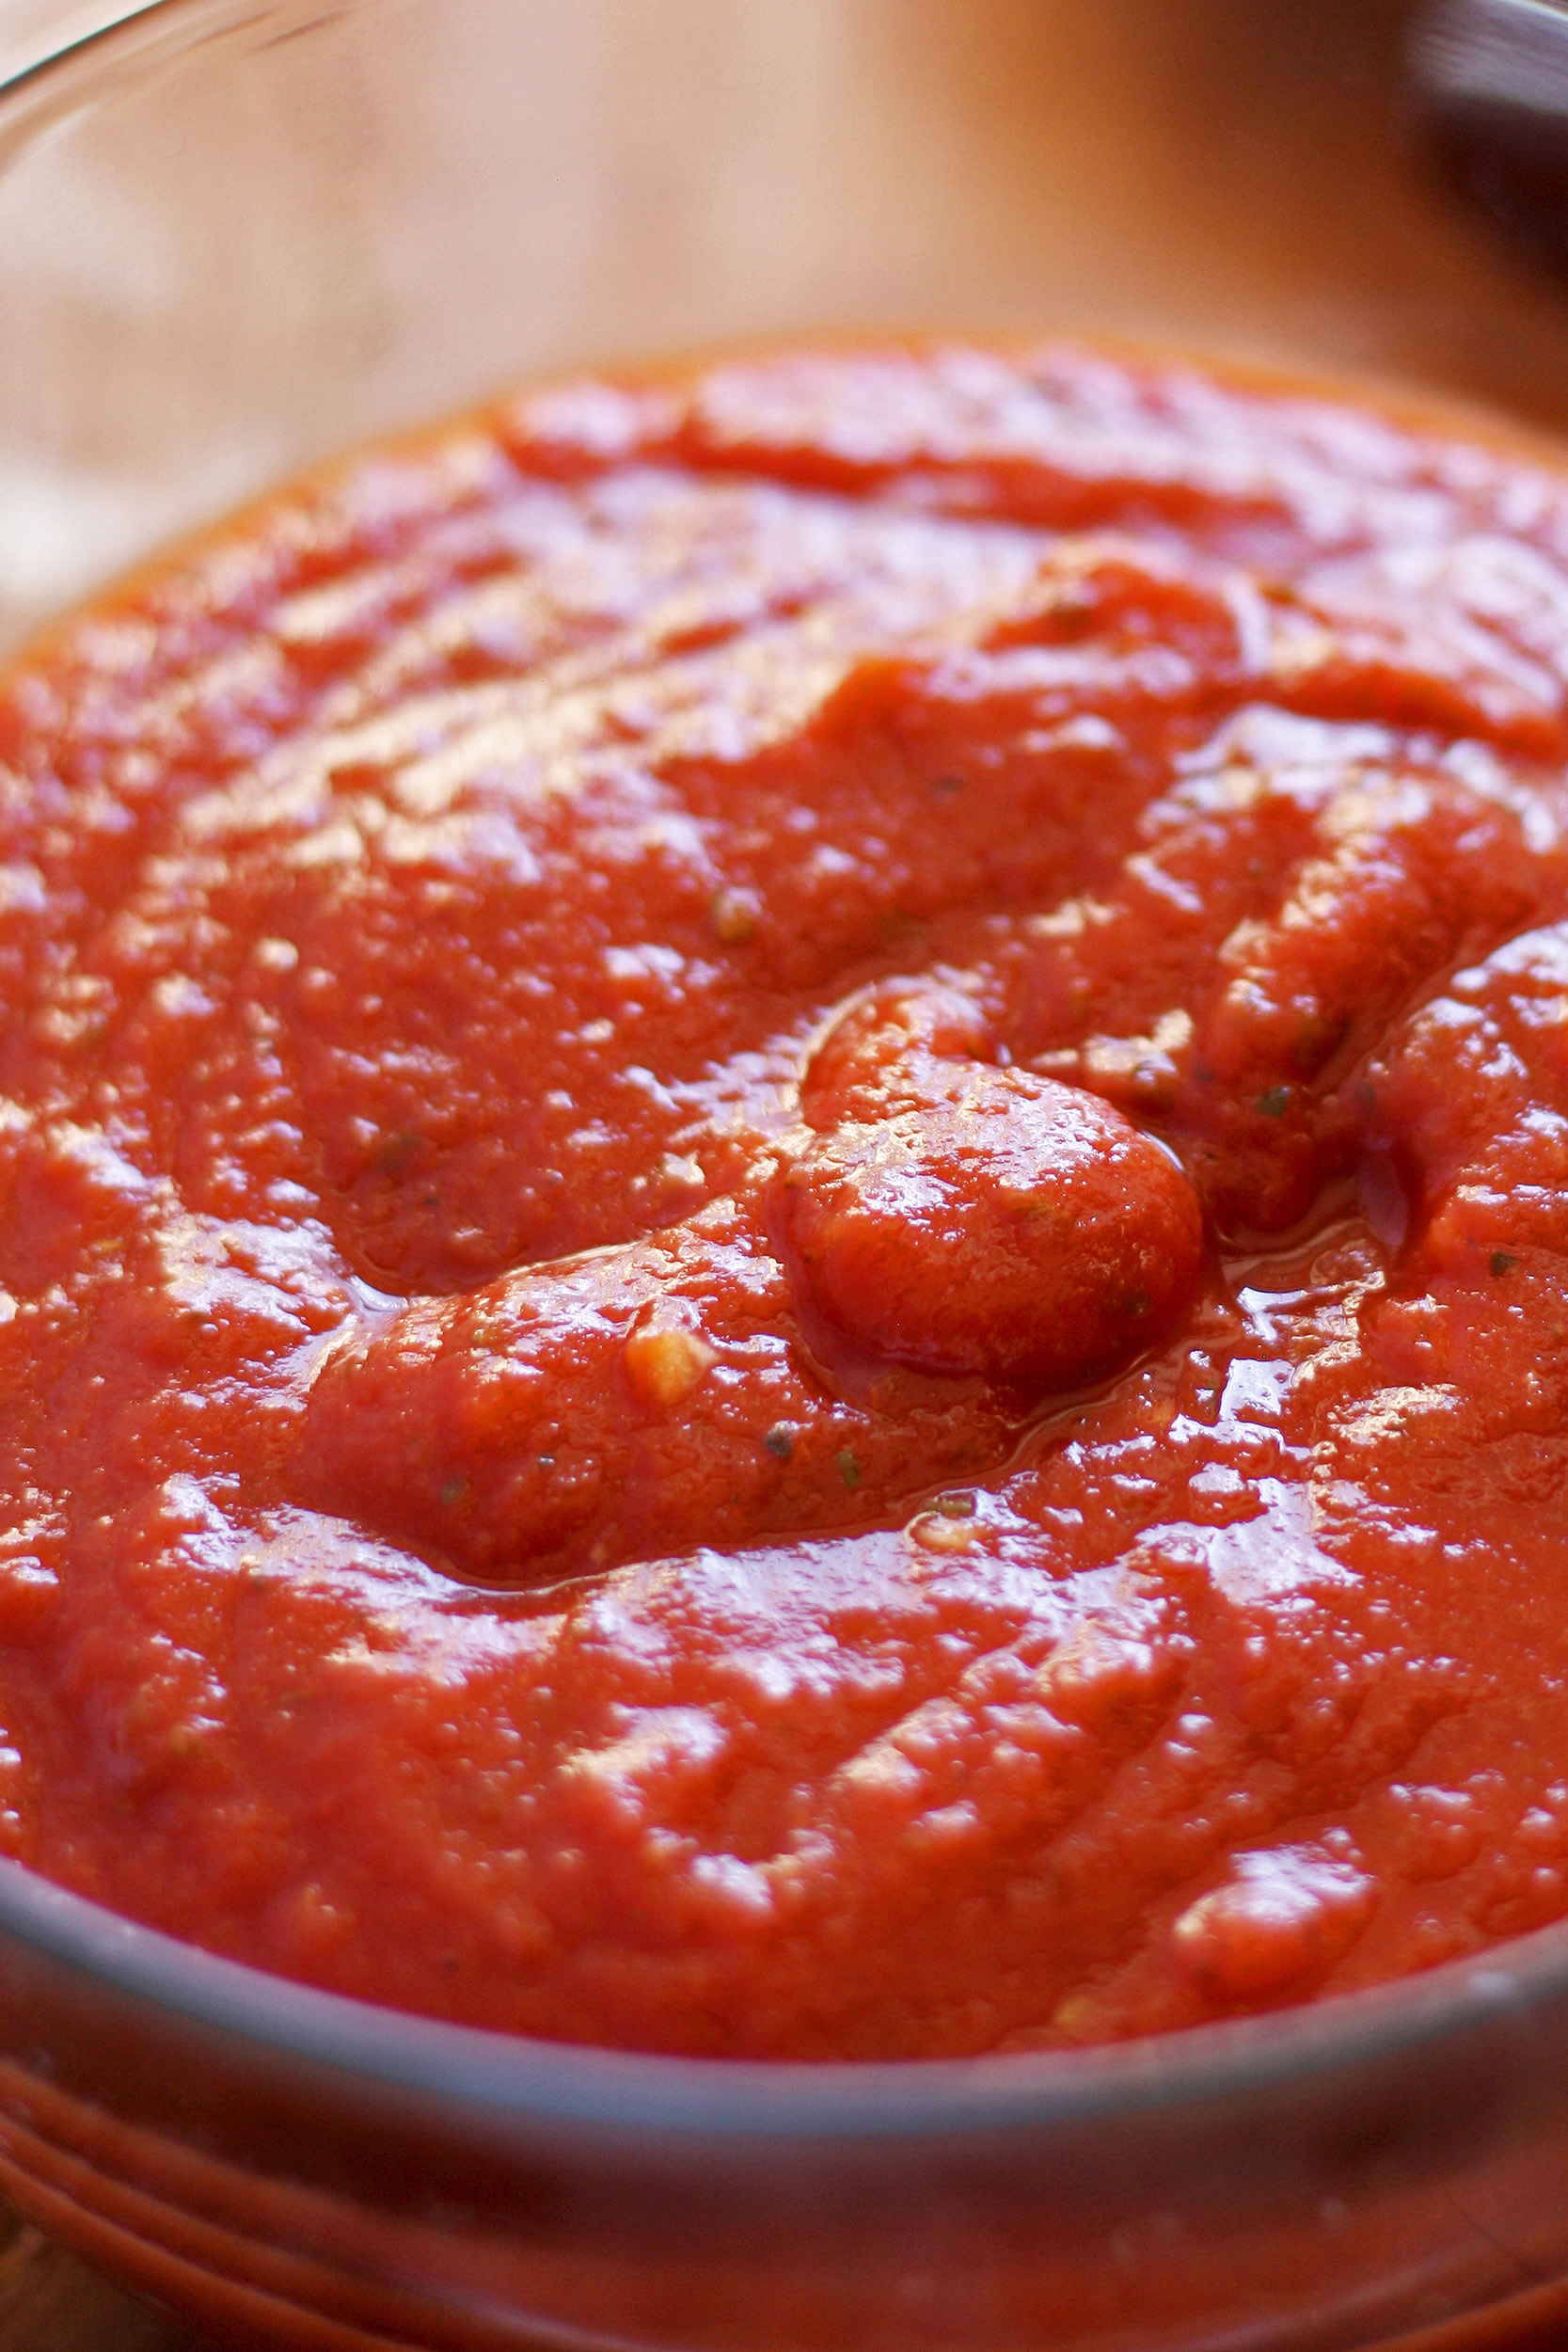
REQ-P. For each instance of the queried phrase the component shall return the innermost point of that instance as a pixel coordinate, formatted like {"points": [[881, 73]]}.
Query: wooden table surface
{"points": [[50, 2302], [1237, 160]]}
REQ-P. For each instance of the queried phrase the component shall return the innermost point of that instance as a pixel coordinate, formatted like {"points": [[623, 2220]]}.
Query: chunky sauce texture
{"points": [[783, 1212]]}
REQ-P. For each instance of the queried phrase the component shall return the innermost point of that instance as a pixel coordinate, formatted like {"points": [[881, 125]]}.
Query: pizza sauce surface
{"points": [[783, 1212]]}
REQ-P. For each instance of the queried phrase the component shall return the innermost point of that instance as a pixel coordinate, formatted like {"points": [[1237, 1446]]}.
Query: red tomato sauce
{"points": [[783, 1212]]}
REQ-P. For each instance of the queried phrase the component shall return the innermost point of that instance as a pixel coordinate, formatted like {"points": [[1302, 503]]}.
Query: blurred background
{"points": [[340, 235], [1251, 167], [31, 29]]}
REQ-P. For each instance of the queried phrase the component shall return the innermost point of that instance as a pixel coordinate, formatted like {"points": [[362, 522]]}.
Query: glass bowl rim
{"points": [[510, 2078], [519, 2080], [152, 32]]}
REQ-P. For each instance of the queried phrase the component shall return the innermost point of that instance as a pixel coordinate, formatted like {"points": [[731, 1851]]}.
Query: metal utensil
{"points": [[1490, 78]]}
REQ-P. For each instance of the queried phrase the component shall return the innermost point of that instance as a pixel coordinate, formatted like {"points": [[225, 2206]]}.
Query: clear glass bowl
{"points": [[236, 235]]}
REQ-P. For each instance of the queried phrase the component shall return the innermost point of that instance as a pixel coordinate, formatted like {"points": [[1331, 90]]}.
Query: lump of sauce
{"points": [[783, 1212]]}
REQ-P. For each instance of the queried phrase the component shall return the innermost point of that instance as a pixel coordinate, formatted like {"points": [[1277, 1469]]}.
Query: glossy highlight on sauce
{"points": [[783, 1212]]}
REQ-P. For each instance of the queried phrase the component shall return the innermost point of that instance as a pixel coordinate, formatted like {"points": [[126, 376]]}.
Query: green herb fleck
{"points": [[1502, 1262], [453, 1491], [394, 1154], [1273, 1103], [849, 1469], [961, 1506], [780, 1440]]}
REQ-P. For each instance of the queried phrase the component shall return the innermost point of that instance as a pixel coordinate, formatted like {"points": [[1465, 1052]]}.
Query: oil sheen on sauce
{"points": [[783, 1212]]}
